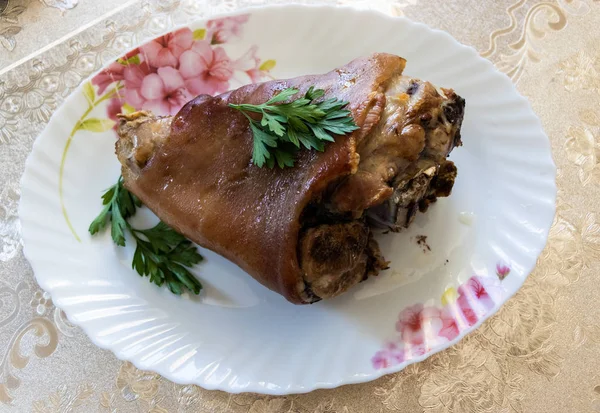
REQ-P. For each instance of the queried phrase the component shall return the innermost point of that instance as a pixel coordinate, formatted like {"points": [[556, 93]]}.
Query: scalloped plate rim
{"points": [[269, 388]]}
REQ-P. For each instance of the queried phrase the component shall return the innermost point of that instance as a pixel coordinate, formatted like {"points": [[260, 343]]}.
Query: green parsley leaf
{"points": [[117, 229], [262, 142], [287, 125], [119, 204], [283, 95], [284, 155], [161, 253], [313, 94], [274, 123], [162, 237]]}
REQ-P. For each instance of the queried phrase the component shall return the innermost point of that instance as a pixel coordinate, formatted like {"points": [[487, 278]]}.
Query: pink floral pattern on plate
{"points": [[420, 328], [165, 73]]}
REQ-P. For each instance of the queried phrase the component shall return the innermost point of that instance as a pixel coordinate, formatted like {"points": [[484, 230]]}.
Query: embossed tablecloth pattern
{"points": [[541, 353]]}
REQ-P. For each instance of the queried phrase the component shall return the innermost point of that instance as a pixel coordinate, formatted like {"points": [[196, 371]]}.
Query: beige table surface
{"points": [[541, 353]]}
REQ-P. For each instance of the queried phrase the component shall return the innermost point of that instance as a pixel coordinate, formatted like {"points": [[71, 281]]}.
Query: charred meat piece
{"points": [[303, 232]]}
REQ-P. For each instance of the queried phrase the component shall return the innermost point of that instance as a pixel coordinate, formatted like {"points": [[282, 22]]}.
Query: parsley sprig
{"points": [[161, 253], [284, 128], [119, 205]]}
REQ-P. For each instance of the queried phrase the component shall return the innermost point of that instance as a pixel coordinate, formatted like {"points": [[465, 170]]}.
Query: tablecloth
{"points": [[540, 353]]}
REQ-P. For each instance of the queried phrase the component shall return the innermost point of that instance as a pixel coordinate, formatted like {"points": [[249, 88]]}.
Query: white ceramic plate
{"points": [[239, 336]]}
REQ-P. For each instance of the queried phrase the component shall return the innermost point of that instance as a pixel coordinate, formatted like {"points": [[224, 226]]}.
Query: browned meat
{"points": [[328, 250], [300, 231], [144, 132], [402, 157]]}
